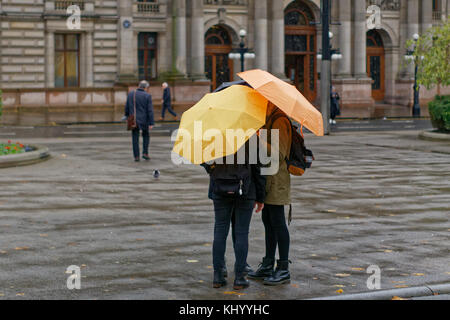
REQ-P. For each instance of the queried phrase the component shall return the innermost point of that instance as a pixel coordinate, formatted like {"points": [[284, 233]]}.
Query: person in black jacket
{"points": [[236, 189], [144, 118], [167, 102]]}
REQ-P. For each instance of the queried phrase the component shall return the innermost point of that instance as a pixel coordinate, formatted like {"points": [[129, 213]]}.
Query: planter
{"points": [[434, 136], [40, 153]]}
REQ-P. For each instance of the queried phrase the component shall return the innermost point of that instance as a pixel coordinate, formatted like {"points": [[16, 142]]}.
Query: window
{"points": [[147, 46], [67, 60]]}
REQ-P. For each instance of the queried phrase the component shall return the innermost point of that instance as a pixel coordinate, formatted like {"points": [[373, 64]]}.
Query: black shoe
{"points": [[136, 160], [281, 274], [219, 279], [145, 157], [247, 269], [240, 282], [265, 269]]}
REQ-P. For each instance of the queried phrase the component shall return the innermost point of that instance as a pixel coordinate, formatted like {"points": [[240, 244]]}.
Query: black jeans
{"points": [[223, 210], [168, 108], [145, 144], [277, 232]]}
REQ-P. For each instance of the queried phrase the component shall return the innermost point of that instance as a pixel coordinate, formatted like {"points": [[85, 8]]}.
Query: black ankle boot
{"points": [[265, 269], [240, 282], [219, 279], [280, 275]]}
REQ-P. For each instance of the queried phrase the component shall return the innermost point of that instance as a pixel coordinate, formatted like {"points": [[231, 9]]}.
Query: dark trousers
{"points": [[145, 144], [168, 108], [223, 210], [277, 232]]}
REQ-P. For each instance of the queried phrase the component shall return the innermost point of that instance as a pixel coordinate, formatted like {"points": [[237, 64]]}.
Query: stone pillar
{"points": [[197, 41], [277, 54], [359, 32], [50, 59], [180, 36], [261, 33], [89, 51], [127, 62], [426, 15], [345, 39]]}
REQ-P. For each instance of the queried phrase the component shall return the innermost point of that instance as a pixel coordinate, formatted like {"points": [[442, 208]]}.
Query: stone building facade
{"points": [[50, 72]]}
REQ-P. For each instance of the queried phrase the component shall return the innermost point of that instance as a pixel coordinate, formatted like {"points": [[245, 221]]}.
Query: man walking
{"points": [[140, 102], [167, 102]]}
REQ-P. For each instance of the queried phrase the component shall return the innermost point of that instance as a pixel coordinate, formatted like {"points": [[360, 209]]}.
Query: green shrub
{"points": [[439, 110]]}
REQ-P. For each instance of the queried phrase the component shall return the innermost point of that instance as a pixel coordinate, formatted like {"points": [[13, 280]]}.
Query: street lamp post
{"points": [[242, 52], [410, 56]]}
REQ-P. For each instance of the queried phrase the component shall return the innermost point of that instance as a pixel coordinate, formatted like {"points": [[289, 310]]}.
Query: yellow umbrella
{"points": [[220, 124], [286, 97]]}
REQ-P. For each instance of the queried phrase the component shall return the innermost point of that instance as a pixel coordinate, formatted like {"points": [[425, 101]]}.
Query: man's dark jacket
{"points": [[144, 108], [167, 99]]}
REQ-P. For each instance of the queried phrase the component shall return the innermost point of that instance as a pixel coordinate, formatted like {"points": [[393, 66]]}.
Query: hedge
{"points": [[439, 110]]}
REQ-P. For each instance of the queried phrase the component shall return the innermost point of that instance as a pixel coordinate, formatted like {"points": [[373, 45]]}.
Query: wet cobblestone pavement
{"points": [[370, 199]]}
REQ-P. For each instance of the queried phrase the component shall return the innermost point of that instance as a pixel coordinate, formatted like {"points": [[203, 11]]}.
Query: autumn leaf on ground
{"points": [[398, 281], [3, 252], [358, 269], [398, 298], [21, 248], [20, 294], [192, 261], [294, 285], [43, 235], [401, 286], [418, 274], [388, 251], [339, 286], [235, 293], [331, 210], [342, 275], [339, 291]]}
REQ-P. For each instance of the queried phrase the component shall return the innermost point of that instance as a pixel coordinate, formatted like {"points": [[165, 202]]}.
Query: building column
{"points": [[345, 39], [180, 35], [197, 41], [50, 59], [127, 62], [359, 43], [277, 52], [89, 60], [426, 15], [261, 33]]}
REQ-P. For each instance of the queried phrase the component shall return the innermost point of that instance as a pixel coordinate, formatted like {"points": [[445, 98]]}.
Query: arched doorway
{"points": [[300, 48], [218, 44], [375, 64]]}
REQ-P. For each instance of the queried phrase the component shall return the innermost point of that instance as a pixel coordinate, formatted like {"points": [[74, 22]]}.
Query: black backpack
{"points": [[299, 158]]}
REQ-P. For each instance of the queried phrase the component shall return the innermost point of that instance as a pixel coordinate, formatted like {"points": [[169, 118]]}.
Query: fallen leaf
{"points": [[358, 269], [201, 281], [294, 285], [342, 275], [401, 286], [339, 286], [21, 248], [209, 267], [388, 251], [334, 258], [192, 261], [2, 294], [398, 298], [339, 291], [418, 274], [331, 210], [235, 293], [398, 281], [72, 243], [20, 294], [43, 235], [3, 252]]}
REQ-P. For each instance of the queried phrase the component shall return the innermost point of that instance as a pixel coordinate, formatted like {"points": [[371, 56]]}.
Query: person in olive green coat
{"points": [[278, 194]]}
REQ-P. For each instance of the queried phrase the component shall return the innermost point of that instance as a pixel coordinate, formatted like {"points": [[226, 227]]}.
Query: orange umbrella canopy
{"points": [[286, 97]]}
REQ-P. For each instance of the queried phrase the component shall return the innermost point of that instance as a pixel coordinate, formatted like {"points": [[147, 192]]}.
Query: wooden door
{"points": [[376, 64]]}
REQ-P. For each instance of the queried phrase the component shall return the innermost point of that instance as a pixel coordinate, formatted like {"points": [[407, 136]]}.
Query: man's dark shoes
{"points": [[136, 160], [281, 274], [219, 279], [265, 269], [145, 157], [240, 282]]}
